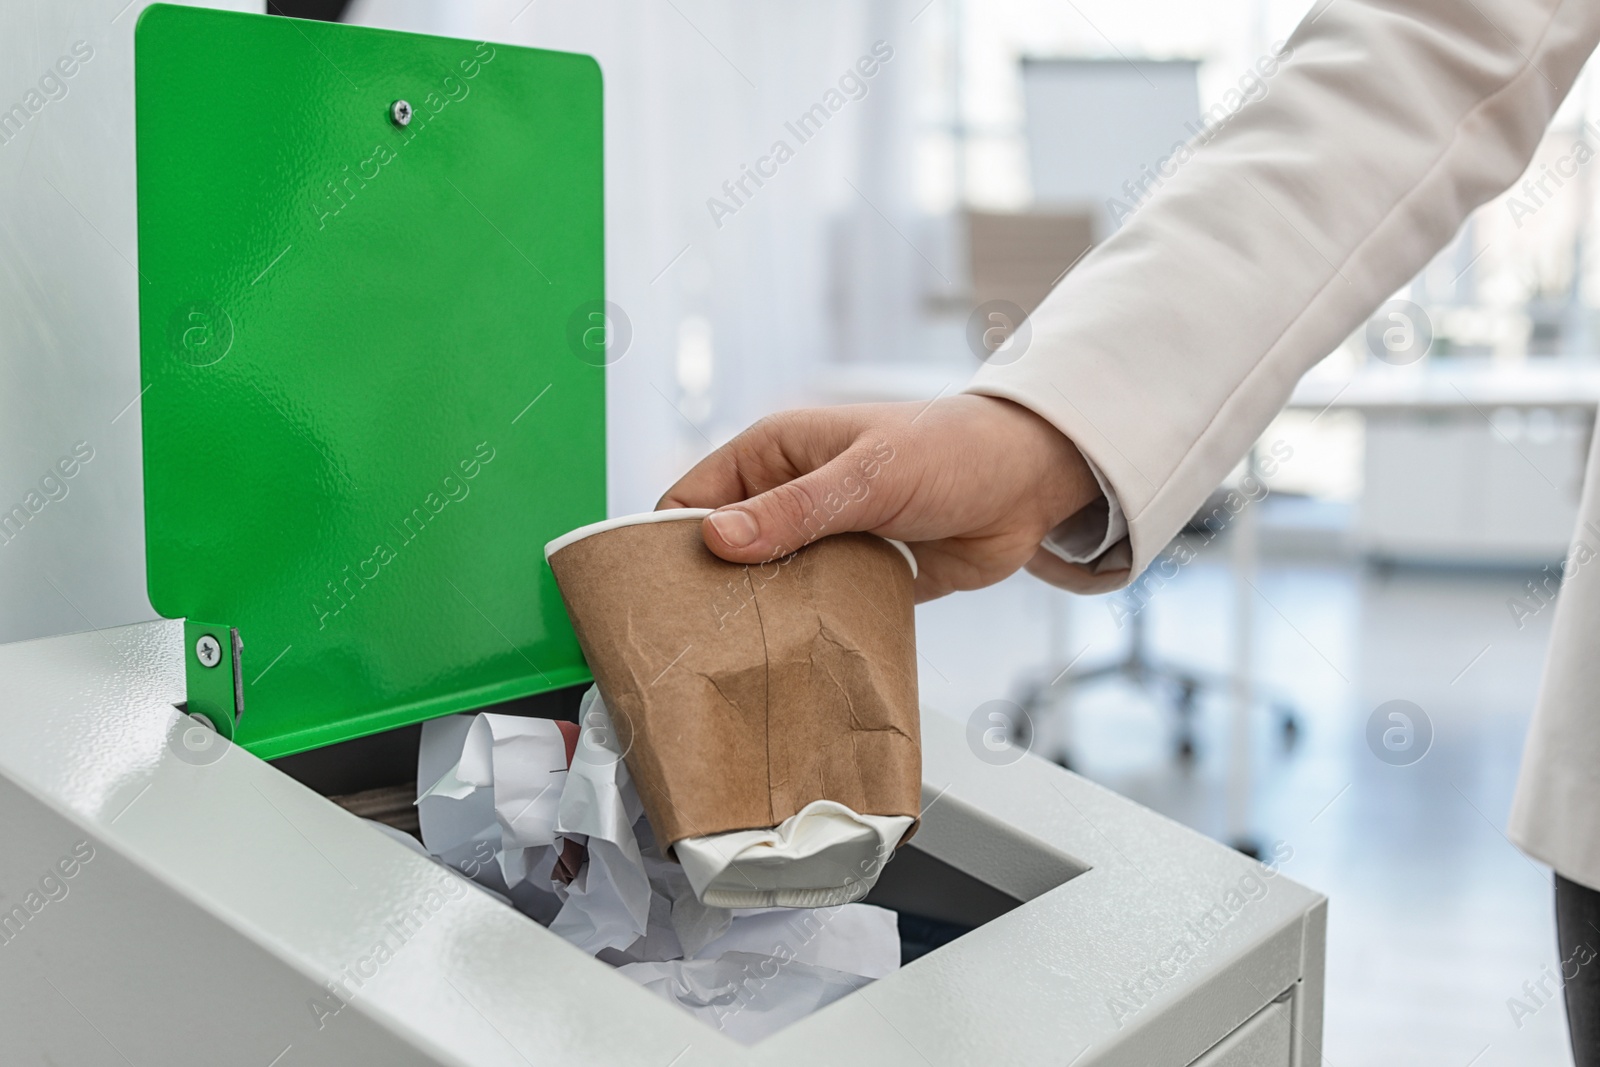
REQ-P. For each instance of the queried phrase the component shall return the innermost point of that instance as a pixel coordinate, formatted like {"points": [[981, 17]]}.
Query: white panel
{"points": [[69, 345], [1094, 124], [1261, 1042]]}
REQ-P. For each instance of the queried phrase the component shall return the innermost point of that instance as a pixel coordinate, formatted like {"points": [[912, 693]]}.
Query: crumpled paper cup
{"points": [[743, 694]]}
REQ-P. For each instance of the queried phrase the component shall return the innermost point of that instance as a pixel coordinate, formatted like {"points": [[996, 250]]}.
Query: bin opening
{"points": [[934, 899], [388, 760]]}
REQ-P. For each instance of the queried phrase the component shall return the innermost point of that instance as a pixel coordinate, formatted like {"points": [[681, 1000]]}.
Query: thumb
{"points": [[835, 498]]}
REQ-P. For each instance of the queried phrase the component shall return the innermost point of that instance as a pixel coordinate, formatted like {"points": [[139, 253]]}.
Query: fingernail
{"points": [[736, 528]]}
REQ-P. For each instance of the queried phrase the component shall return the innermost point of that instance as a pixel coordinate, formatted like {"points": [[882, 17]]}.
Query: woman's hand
{"points": [[971, 483]]}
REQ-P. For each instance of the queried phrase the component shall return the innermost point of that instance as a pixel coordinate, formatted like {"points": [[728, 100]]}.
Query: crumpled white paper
{"points": [[861, 940], [608, 903], [460, 826], [498, 803], [745, 995]]}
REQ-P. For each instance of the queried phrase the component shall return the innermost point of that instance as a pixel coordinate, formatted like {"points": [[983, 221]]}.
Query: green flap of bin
{"points": [[362, 415]]}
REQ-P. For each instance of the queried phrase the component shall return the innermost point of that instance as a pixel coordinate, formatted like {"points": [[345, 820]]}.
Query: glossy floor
{"points": [[1435, 921]]}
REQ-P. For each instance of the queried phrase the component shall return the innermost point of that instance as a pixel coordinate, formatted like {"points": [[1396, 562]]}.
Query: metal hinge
{"points": [[213, 662]]}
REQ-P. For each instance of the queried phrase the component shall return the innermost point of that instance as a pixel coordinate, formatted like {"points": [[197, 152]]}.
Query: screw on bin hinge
{"points": [[400, 113], [207, 651]]}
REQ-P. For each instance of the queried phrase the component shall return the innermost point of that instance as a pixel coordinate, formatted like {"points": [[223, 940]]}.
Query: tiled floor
{"points": [[1435, 919]]}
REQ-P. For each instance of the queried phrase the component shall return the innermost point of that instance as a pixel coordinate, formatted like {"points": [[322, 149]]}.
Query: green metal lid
{"points": [[362, 413]]}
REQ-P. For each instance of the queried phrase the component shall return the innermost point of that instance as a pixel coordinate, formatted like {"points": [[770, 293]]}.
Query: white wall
{"points": [[694, 90], [69, 346]]}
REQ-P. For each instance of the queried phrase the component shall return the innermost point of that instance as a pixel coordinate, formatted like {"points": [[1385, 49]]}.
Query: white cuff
{"points": [[1093, 531]]}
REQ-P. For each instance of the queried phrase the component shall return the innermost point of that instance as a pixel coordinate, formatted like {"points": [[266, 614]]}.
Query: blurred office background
{"points": [[1419, 505]]}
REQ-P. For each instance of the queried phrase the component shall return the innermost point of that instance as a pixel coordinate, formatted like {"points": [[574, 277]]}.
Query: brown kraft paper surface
{"points": [[742, 694]]}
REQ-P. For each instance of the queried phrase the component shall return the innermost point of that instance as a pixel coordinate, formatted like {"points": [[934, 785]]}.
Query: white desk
{"points": [[1466, 463], [1448, 385]]}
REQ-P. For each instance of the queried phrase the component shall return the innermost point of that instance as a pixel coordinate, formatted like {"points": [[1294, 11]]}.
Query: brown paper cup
{"points": [[742, 694]]}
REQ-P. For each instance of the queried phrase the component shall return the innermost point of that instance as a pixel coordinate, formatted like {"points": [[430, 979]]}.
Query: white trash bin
{"points": [[215, 904]]}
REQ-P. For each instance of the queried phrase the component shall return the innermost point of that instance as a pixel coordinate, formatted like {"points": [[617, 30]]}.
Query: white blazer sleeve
{"points": [[1168, 350]]}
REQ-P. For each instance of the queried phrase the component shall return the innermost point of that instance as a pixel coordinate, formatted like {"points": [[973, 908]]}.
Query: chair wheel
{"points": [[1288, 729]]}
